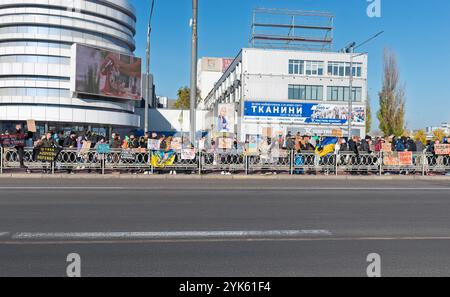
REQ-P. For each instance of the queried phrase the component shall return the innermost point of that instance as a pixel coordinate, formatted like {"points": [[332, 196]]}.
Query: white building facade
{"points": [[292, 91], [35, 59]]}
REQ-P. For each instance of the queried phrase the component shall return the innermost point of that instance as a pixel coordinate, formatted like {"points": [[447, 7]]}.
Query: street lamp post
{"points": [[350, 49], [147, 89], [193, 91]]}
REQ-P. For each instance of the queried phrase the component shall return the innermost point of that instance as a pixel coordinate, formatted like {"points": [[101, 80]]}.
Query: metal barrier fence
{"points": [[233, 161]]}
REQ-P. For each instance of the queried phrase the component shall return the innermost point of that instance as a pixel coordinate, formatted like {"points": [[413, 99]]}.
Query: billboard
{"points": [[225, 118], [302, 113], [104, 73]]}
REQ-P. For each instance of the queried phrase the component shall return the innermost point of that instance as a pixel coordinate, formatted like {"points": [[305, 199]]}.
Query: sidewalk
{"points": [[222, 177]]}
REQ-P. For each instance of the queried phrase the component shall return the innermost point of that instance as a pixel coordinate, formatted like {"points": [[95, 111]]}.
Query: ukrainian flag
{"points": [[326, 146]]}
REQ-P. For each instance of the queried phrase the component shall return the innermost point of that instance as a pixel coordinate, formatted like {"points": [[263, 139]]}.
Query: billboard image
{"points": [[225, 118], [302, 113], [103, 73]]}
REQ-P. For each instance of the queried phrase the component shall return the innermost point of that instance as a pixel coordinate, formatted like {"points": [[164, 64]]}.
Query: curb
{"points": [[221, 177]]}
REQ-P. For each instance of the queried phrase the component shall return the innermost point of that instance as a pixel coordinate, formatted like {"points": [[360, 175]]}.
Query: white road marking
{"points": [[169, 235], [4, 235], [232, 188]]}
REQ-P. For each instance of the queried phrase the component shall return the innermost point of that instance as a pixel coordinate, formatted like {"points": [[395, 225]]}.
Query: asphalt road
{"points": [[182, 227]]}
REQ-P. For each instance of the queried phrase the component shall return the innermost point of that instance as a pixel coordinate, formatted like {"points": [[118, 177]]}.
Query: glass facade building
{"points": [[36, 37]]}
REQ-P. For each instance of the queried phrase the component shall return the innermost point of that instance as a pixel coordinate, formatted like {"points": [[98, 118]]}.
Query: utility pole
{"points": [[147, 89], [193, 90], [351, 49]]}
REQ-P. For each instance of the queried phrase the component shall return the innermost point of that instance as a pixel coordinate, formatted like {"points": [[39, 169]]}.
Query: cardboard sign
{"points": [[267, 132], [337, 133], [405, 158], [154, 144], [12, 140], [31, 125], [187, 154], [386, 148], [47, 154], [442, 149], [391, 159], [225, 143], [176, 143], [128, 154], [86, 147], [103, 148]]}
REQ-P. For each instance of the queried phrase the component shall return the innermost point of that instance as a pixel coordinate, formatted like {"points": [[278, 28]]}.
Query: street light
{"points": [[350, 49], [147, 89], [194, 49]]}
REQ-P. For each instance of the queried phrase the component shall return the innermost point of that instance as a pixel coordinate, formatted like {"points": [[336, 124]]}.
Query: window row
{"points": [[299, 92], [301, 67], [343, 69], [303, 92], [316, 68], [56, 31], [41, 92], [34, 59], [35, 44], [34, 78]]}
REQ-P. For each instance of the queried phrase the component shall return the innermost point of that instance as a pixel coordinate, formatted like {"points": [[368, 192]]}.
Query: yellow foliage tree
{"points": [[421, 136], [438, 134]]}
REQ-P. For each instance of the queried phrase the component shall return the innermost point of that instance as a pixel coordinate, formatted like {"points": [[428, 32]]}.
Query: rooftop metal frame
{"points": [[292, 29]]}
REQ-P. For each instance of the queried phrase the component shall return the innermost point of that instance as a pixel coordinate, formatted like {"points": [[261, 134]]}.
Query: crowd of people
{"points": [[266, 149]]}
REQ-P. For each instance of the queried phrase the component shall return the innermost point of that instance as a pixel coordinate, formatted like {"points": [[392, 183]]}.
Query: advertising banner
{"points": [[302, 113], [225, 118], [103, 73]]}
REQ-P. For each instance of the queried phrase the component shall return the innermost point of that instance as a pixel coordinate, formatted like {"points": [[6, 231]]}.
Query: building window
{"points": [[302, 92], [342, 69], [343, 94], [314, 68], [311, 68], [297, 67]]}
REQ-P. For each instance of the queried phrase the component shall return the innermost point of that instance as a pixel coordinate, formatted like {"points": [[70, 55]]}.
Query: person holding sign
{"points": [[47, 150]]}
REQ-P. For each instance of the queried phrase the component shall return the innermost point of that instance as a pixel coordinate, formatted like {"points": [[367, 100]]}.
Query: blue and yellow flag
{"points": [[326, 146], [162, 159]]}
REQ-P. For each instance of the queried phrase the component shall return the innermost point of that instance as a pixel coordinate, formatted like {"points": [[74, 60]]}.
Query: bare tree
{"points": [[392, 98]]}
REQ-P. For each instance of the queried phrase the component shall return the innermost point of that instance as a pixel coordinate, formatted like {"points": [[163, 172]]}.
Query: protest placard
{"points": [[31, 126], [153, 144], [405, 158], [386, 147], [390, 159], [103, 148], [12, 140], [47, 154], [187, 154], [442, 149]]}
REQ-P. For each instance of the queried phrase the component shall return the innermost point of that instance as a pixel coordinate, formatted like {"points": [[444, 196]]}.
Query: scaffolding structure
{"points": [[292, 29]]}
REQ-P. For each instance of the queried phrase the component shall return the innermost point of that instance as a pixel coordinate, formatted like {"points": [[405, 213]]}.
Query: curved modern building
{"points": [[36, 37]]}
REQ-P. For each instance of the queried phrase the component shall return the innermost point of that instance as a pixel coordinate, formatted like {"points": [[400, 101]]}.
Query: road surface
{"points": [[182, 227]]}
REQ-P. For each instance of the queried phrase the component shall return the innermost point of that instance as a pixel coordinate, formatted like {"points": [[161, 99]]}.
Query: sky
{"points": [[417, 31]]}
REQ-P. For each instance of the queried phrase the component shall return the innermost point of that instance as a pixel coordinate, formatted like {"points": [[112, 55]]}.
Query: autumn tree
{"points": [[438, 134], [368, 115], [420, 135], [184, 98], [392, 98]]}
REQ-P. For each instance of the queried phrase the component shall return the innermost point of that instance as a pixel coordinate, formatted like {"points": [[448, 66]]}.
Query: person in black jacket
{"points": [[20, 147]]}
